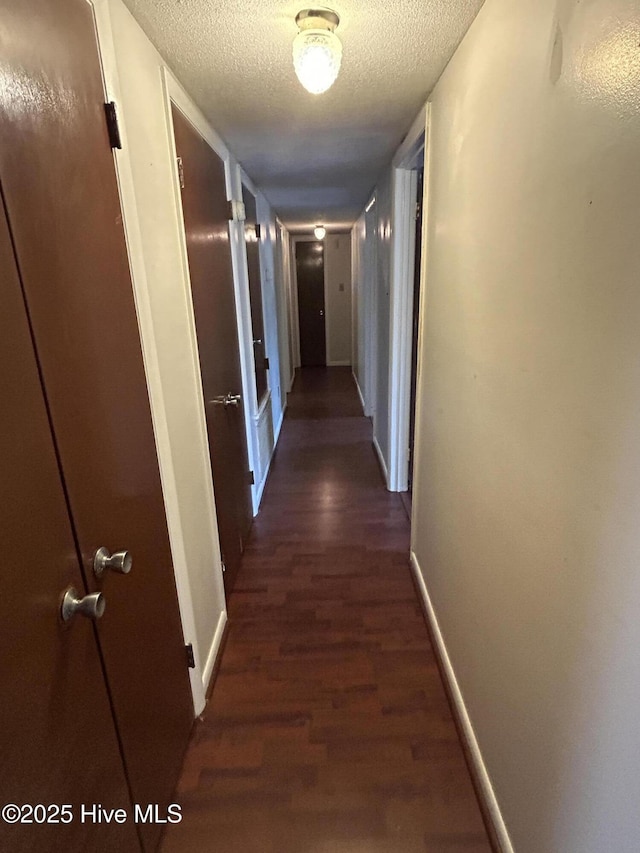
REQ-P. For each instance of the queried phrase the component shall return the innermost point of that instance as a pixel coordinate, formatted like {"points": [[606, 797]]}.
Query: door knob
{"points": [[120, 562], [226, 400], [92, 605], [257, 341]]}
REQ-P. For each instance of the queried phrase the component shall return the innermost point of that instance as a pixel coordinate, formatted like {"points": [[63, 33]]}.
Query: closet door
{"points": [[59, 182], [59, 743]]}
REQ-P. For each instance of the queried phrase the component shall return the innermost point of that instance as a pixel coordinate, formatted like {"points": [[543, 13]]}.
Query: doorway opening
{"points": [[415, 322], [409, 226], [252, 233]]}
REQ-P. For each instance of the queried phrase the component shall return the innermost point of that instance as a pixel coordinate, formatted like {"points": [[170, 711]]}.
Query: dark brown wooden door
{"points": [[206, 221], [58, 740], [252, 240], [310, 274], [58, 176]]}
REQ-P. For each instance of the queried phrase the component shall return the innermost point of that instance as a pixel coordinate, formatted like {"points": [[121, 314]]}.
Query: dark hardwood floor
{"points": [[328, 729]]}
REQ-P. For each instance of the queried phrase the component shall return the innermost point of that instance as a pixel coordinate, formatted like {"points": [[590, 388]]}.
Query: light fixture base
{"points": [[317, 19]]}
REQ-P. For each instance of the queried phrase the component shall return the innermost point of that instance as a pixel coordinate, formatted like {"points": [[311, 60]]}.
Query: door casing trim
{"points": [[403, 195], [141, 292]]}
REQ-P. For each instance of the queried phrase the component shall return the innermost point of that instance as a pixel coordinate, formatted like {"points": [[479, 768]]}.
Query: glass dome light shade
{"points": [[316, 58]]}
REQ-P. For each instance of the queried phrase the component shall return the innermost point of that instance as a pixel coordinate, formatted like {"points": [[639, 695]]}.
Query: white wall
{"points": [[371, 238], [337, 292], [137, 77], [365, 307], [283, 296], [382, 286], [527, 489]]}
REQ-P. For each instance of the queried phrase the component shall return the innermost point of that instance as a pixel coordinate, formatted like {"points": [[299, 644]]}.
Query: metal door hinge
{"points": [[252, 479], [258, 231], [236, 211], [113, 128], [180, 172], [191, 661], [266, 364]]}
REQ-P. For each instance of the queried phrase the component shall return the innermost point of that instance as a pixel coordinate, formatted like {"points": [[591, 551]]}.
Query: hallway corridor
{"points": [[327, 730]]}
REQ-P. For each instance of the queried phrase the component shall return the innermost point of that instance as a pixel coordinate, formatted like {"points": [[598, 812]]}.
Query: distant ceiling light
{"points": [[317, 50], [319, 232]]}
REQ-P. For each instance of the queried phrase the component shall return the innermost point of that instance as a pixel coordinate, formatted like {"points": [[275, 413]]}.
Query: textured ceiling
{"points": [[316, 157]]}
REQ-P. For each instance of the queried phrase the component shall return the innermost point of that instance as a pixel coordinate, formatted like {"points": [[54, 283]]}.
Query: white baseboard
{"points": [[260, 489], [355, 379], [491, 807], [339, 363], [207, 672], [263, 482], [291, 381], [278, 428], [383, 464]]}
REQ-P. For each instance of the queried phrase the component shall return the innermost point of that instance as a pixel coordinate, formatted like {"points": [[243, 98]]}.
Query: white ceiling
{"points": [[316, 157]]}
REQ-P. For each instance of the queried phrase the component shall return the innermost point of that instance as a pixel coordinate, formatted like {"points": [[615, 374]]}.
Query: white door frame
{"points": [[408, 158], [199, 675], [370, 305]]}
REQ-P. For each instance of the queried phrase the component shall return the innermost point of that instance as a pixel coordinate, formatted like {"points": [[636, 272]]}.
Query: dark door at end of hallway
{"points": [[206, 223], [310, 275]]}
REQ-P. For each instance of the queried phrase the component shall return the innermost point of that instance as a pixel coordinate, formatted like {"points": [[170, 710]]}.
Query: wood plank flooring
{"points": [[328, 730]]}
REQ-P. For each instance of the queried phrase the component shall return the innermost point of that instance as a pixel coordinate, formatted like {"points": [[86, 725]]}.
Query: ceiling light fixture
{"points": [[319, 232], [317, 50]]}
